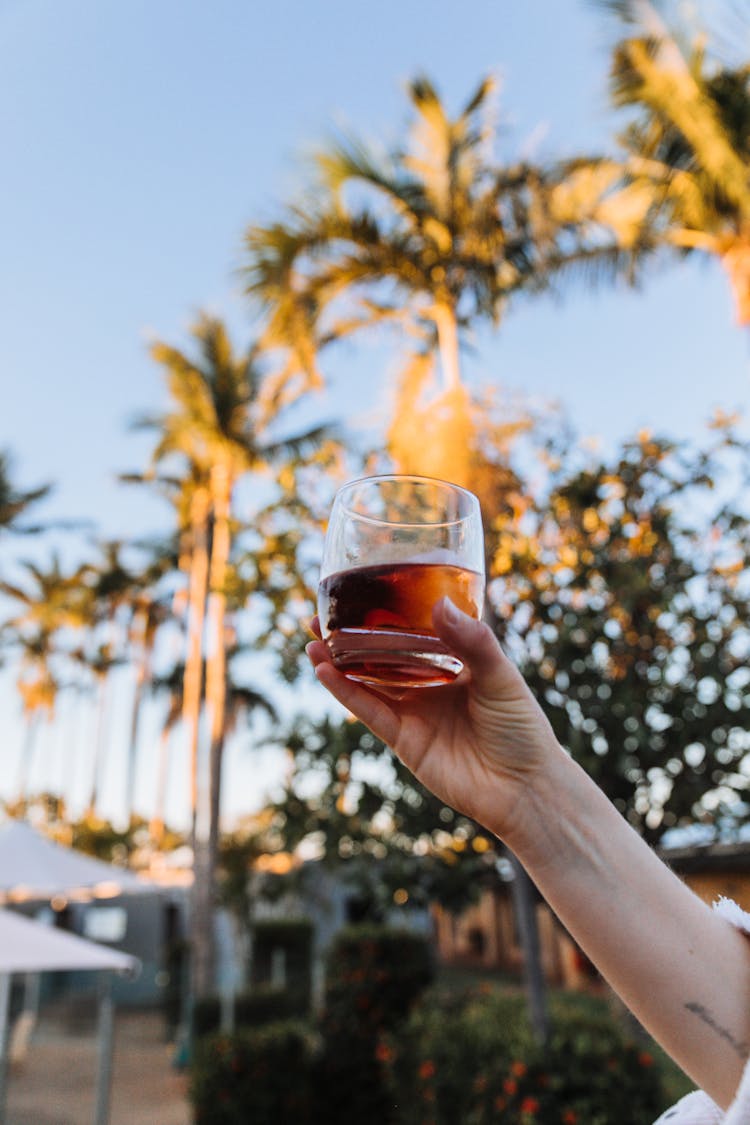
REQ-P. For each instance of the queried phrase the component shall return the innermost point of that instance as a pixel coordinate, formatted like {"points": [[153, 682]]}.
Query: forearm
{"points": [[682, 970]]}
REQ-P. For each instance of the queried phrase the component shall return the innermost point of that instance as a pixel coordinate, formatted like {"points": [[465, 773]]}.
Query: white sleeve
{"points": [[697, 1108]]}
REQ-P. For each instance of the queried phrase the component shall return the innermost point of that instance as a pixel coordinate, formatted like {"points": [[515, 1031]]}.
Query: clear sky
{"points": [[139, 139]]}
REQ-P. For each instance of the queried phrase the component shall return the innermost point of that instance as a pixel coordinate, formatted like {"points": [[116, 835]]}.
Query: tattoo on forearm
{"points": [[740, 1047]]}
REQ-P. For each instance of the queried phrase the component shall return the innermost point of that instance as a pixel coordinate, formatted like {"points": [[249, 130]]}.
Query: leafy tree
{"points": [[366, 816], [215, 433], [622, 592]]}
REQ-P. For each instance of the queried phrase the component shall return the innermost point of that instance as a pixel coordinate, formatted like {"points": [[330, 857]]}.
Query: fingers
{"points": [[318, 652], [476, 645], [373, 710]]}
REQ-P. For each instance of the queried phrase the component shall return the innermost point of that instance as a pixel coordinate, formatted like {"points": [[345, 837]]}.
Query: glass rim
{"points": [[415, 478]]}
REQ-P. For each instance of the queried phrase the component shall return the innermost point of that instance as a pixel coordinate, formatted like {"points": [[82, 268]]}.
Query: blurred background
{"points": [[252, 251]]}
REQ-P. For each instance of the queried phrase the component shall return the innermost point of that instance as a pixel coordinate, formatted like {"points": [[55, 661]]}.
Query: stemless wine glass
{"points": [[395, 546]]}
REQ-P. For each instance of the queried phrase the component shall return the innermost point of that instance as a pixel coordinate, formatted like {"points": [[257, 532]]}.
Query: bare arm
{"points": [[484, 746], [683, 970]]}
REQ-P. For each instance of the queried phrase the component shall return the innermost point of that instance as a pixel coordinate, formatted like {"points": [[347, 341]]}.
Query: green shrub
{"points": [[374, 976], [255, 1077], [475, 1061], [449, 1041], [251, 1009], [266, 1004]]}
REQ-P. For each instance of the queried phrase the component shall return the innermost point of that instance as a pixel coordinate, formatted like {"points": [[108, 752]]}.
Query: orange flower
{"points": [[529, 1105], [383, 1053], [510, 1085], [570, 1117], [427, 1069], [645, 1059], [518, 1068]]}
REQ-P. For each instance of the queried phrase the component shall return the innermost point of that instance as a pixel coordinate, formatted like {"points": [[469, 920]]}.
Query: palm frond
{"points": [[479, 99]]}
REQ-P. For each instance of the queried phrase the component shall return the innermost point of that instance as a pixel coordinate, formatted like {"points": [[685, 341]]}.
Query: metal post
{"points": [[536, 990], [105, 1047], [5, 982]]}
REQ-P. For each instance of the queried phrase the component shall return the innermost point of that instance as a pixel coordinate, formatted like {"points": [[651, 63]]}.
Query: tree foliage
{"points": [[623, 594]]}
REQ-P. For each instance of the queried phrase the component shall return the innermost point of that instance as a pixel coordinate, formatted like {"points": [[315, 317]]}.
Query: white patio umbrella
{"points": [[30, 947], [35, 867]]}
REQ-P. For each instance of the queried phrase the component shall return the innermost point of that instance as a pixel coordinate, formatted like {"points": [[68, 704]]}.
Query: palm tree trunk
{"points": [[216, 680], [524, 905], [141, 675], [736, 262], [27, 753], [156, 823], [98, 749], [447, 330], [191, 709], [193, 683]]}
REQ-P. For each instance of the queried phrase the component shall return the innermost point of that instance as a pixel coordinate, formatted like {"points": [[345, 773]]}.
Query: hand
{"points": [[479, 744]]}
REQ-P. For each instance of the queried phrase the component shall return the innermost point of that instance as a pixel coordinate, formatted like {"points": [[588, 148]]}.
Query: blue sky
{"points": [[139, 140]]}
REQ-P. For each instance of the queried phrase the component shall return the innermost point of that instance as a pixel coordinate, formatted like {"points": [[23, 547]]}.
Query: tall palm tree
{"points": [[188, 493], [215, 430], [433, 238], [129, 592], [687, 149]]}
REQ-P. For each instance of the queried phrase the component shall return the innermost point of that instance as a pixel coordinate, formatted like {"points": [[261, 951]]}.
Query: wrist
{"points": [[543, 828]]}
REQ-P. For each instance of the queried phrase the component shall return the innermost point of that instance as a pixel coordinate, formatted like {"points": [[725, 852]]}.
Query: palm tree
{"points": [[13, 503], [117, 587], [687, 149], [216, 431], [432, 239], [50, 601], [188, 493]]}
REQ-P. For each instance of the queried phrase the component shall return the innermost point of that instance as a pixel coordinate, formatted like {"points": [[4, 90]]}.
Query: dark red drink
{"points": [[377, 621]]}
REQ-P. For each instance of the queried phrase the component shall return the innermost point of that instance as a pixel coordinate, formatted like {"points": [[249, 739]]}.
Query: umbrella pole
{"points": [[104, 1058], [5, 979]]}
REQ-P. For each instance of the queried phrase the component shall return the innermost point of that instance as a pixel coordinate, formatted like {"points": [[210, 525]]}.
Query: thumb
{"points": [[477, 646]]}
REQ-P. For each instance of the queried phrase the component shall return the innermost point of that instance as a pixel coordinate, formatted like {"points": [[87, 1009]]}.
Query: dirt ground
{"points": [[55, 1085]]}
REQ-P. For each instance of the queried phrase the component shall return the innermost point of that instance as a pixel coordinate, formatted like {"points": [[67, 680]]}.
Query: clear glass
{"points": [[395, 546]]}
